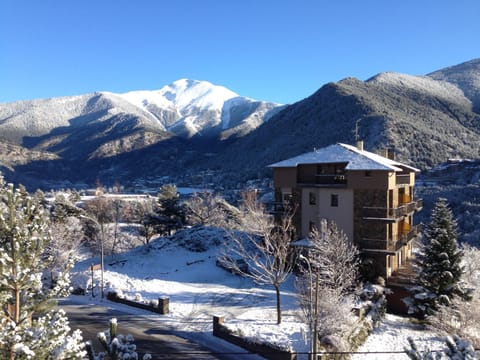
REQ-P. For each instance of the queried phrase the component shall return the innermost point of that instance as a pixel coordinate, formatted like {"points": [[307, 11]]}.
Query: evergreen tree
{"points": [[169, 212], [28, 329], [439, 268]]}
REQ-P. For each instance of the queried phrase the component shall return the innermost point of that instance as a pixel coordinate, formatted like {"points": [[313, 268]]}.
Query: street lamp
{"points": [[314, 314]]}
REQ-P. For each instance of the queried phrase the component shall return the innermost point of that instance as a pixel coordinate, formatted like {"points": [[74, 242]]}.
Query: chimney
{"points": [[360, 145], [390, 153]]}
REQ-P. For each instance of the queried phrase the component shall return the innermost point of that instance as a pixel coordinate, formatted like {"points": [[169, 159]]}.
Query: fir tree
{"points": [[169, 212], [28, 329], [439, 268]]}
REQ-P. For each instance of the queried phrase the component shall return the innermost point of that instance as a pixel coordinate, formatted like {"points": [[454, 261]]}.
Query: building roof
{"points": [[342, 153]]}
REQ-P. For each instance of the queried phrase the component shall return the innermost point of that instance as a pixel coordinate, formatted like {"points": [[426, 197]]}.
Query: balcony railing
{"points": [[392, 213], [393, 244], [331, 179]]}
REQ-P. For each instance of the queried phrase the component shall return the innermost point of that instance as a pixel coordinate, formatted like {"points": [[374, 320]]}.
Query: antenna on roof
{"points": [[357, 136]]}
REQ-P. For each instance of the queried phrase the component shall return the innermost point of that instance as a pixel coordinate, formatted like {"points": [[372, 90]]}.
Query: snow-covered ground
{"points": [[391, 336], [198, 290]]}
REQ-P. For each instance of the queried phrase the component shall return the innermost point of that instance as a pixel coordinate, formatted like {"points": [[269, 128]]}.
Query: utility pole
{"points": [[313, 316], [315, 321]]}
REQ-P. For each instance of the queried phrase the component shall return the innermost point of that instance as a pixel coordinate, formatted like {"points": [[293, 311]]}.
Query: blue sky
{"points": [[279, 50]]}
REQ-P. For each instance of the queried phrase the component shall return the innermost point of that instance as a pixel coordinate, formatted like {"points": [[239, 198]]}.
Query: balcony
{"points": [[323, 180], [330, 179], [390, 245], [391, 214]]}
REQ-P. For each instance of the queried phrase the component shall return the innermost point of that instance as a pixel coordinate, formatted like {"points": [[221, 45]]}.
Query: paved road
{"points": [[149, 337]]}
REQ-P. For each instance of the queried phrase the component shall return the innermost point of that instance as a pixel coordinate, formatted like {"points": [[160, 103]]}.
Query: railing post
{"points": [[218, 322], [163, 305]]}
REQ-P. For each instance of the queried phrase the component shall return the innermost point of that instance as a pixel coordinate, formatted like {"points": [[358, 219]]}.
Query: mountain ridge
{"points": [[176, 108], [142, 134], [422, 123]]}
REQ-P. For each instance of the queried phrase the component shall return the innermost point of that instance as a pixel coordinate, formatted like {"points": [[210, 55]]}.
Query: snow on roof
{"points": [[342, 153]]}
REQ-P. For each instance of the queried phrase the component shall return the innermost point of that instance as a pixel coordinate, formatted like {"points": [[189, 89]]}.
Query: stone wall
{"points": [[162, 308], [266, 350]]}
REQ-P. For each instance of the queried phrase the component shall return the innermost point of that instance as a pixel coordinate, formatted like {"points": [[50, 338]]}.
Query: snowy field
{"points": [[198, 290]]}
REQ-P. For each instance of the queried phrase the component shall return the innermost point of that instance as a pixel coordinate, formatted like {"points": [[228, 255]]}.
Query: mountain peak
{"points": [[185, 93], [465, 76]]}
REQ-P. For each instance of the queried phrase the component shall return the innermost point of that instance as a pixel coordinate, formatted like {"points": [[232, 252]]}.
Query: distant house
{"points": [[370, 197]]}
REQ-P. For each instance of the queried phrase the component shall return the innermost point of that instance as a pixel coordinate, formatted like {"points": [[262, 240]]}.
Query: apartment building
{"points": [[369, 196]]}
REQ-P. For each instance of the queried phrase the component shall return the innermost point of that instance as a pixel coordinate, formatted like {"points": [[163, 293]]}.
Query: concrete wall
{"points": [[322, 209], [285, 177]]}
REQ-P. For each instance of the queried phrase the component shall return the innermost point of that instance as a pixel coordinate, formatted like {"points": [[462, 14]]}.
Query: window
{"points": [[334, 200], [287, 197], [368, 173], [312, 198]]}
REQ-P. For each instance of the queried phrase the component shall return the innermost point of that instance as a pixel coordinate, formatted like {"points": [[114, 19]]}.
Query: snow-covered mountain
{"points": [[185, 108], [465, 76], [412, 85], [139, 134], [191, 107]]}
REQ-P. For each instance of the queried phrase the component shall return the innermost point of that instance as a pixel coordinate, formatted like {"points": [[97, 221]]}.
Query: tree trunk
{"points": [[279, 310]]}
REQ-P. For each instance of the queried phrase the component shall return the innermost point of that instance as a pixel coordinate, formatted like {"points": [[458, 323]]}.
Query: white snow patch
{"points": [[199, 290], [423, 84], [391, 336]]}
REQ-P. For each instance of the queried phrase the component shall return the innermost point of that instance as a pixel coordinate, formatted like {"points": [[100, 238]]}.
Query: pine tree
{"points": [[439, 268], [28, 329], [169, 213]]}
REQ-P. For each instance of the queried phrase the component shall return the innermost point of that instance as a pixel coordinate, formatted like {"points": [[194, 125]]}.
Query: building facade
{"points": [[369, 196]]}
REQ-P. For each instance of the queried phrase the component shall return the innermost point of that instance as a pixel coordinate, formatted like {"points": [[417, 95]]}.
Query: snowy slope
{"points": [[466, 76], [422, 85], [190, 107], [35, 118], [198, 290], [185, 108], [38, 117]]}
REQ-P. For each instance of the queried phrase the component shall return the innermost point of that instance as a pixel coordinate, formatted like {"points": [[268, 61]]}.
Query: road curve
{"points": [[149, 337]]}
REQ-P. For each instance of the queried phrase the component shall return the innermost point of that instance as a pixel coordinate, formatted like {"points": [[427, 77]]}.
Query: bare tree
{"points": [[210, 209], [117, 215], [459, 317], [471, 264], [66, 232], [334, 257], [328, 275], [143, 211], [265, 248], [66, 240], [99, 214]]}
